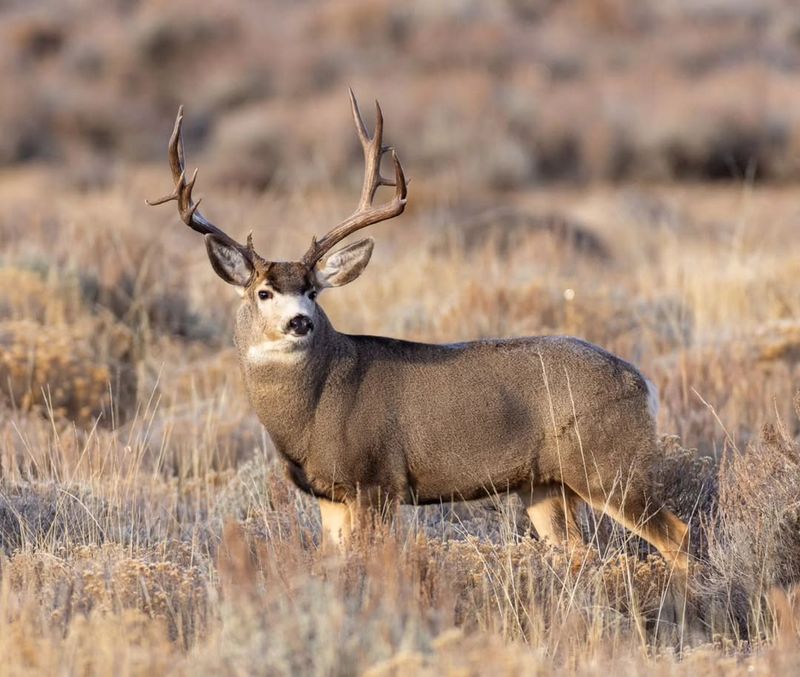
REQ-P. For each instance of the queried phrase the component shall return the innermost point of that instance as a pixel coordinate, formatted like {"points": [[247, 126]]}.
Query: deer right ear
{"points": [[229, 262]]}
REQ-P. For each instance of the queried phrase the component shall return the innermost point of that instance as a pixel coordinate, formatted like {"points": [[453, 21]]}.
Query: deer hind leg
{"points": [[337, 523], [551, 509], [670, 535], [661, 528]]}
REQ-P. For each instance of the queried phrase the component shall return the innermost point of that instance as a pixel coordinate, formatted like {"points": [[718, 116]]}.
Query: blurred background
{"points": [[621, 170], [498, 95]]}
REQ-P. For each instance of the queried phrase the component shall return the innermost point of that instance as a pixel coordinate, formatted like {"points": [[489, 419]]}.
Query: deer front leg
{"points": [[337, 523], [365, 510]]}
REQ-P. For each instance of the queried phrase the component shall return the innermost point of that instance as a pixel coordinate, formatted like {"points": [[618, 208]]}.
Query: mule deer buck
{"points": [[365, 422]]}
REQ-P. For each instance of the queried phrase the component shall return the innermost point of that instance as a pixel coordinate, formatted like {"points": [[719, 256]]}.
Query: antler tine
{"points": [[176, 152], [361, 128], [373, 152], [366, 214], [176, 162], [182, 193]]}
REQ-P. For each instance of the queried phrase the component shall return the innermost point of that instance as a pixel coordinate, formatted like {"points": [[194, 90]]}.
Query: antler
{"points": [[182, 194], [365, 214]]}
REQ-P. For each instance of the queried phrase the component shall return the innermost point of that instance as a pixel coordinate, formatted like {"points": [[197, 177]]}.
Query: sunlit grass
{"points": [[147, 526]]}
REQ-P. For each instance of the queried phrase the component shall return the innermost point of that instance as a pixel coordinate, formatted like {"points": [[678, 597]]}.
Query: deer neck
{"points": [[285, 391]]}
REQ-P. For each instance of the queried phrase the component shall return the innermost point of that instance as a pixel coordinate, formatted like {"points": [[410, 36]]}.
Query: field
{"points": [[620, 171]]}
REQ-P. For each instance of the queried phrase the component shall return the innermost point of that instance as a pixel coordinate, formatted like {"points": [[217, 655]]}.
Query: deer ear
{"points": [[344, 265], [229, 262]]}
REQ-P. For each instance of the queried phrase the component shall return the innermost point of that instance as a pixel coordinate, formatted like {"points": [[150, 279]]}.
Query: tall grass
{"points": [[159, 533]]}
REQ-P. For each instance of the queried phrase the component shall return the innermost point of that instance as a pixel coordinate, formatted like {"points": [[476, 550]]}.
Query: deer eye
{"points": [[312, 294], [264, 294]]}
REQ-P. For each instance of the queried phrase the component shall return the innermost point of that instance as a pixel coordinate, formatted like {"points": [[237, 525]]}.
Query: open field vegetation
{"points": [[621, 171]]}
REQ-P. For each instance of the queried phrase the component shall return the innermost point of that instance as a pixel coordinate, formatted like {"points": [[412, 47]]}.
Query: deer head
{"points": [[278, 313]]}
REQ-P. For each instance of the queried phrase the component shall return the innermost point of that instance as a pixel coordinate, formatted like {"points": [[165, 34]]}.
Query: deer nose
{"points": [[300, 325]]}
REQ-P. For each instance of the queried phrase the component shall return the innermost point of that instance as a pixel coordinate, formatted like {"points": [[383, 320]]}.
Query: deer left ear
{"points": [[229, 262], [344, 265]]}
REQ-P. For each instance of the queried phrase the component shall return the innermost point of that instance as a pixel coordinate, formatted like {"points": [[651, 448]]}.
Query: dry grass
{"points": [[168, 538]]}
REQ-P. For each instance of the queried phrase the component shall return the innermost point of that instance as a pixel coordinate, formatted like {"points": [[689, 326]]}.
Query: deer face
{"points": [[279, 314]]}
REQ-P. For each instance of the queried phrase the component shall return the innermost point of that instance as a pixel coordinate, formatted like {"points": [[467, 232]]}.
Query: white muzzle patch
{"points": [[276, 314]]}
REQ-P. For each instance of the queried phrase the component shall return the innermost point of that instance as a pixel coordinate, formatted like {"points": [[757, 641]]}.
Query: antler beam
{"points": [[366, 214]]}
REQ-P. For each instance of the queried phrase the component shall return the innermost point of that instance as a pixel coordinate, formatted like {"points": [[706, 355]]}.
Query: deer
{"points": [[366, 423]]}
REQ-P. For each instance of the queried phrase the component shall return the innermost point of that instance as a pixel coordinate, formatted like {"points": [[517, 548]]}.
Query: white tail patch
{"points": [[652, 398]]}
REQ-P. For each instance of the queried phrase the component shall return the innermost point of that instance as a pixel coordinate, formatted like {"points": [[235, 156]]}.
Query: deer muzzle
{"points": [[300, 325]]}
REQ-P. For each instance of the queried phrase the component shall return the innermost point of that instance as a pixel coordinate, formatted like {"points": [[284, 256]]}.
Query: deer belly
{"points": [[466, 476], [489, 452]]}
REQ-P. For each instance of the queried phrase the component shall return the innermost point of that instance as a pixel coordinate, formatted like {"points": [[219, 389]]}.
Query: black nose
{"points": [[300, 325]]}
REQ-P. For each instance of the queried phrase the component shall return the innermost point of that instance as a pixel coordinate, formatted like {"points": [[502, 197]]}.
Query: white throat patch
{"points": [[283, 350]]}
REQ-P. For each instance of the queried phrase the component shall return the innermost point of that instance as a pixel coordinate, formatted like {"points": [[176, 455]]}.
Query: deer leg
{"points": [[341, 522], [668, 533], [337, 523], [551, 509], [670, 536], [661, 528]]}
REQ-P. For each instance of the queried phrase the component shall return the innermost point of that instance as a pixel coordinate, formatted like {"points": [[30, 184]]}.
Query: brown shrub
{"points": [[106, 581], [29, 294], [755, 541], [80, 371]]}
